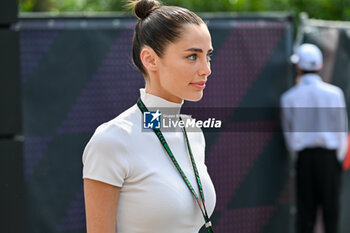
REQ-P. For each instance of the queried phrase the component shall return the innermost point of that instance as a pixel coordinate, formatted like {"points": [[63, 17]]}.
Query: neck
{"points": [[162, 94], [151, 100]]}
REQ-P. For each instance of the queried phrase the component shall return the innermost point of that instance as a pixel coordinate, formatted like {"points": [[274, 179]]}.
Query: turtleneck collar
{"points": [[152, 101]]}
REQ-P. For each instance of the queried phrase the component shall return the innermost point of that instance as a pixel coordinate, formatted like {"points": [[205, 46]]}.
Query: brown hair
{"points": [[158, 26]]}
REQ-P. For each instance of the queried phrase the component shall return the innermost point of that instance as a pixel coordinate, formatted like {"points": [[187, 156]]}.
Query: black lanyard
{"points": [[161, 138]]}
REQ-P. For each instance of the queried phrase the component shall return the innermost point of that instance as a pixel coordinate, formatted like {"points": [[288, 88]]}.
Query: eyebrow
{"points": [[198, 50]]}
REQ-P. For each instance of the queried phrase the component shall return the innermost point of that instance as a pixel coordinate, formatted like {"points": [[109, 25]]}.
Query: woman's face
{"points": [[185, 65]]}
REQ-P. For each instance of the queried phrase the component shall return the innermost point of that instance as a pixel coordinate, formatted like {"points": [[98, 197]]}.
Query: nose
{"points": [[205, 69]]}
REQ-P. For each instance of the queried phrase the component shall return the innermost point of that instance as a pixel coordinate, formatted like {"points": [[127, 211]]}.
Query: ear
{"points": [[149, 58]]}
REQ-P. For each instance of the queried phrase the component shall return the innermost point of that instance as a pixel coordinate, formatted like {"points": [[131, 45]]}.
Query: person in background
{"points": [[147, 182], [314, 121]]}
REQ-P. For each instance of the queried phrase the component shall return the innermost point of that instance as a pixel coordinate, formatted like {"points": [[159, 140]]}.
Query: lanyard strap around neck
{"points": [[161, 138]]}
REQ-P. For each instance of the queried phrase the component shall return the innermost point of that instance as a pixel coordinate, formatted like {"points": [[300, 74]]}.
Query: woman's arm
{"points": [[101, 202]]}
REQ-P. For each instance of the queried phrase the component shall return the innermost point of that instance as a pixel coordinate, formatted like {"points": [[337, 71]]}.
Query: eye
{"points": [[192, 57], [209, 55]]}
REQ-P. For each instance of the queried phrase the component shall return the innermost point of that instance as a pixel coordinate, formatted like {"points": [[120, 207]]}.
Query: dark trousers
{"points": [[318, 185]]}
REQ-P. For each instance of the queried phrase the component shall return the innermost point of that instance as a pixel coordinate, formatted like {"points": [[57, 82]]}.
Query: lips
{"points": [[200, 85]]}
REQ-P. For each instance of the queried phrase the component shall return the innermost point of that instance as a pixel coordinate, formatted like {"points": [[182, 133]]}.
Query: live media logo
{"points": [[155, 120], [152, 120]]}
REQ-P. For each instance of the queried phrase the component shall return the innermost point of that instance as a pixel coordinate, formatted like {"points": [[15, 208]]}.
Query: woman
{"points": [[131, 182]]}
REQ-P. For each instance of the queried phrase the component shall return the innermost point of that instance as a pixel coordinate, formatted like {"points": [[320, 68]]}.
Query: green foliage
{"points": [[323, 9]]}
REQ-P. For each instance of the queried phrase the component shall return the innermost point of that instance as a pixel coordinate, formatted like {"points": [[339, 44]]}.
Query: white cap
{"points": [[308, 57]]}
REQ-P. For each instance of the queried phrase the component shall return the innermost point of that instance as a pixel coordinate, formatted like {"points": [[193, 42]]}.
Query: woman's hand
{"points": [[101, 203]]}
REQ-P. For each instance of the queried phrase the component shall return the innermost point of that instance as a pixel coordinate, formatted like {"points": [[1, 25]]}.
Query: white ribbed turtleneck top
{"points": [[153, 196]]}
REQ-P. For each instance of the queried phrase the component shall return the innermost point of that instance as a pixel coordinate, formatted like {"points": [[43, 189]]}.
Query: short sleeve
{"points": [[105, 157]]}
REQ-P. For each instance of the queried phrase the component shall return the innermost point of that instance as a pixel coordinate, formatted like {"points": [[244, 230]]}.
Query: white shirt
{"points": [[153, 196], [314, 115]]}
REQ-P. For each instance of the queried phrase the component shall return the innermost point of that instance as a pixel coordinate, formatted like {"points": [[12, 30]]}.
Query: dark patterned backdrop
{"points": [[77, 73]]}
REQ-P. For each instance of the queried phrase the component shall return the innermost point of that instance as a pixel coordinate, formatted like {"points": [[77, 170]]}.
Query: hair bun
{"points": [[144, 8]]}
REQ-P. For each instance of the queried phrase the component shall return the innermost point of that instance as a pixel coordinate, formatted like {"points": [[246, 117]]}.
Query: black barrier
{"points": [[10, 98], [8, 12], [77, 73], [12, 195]]}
